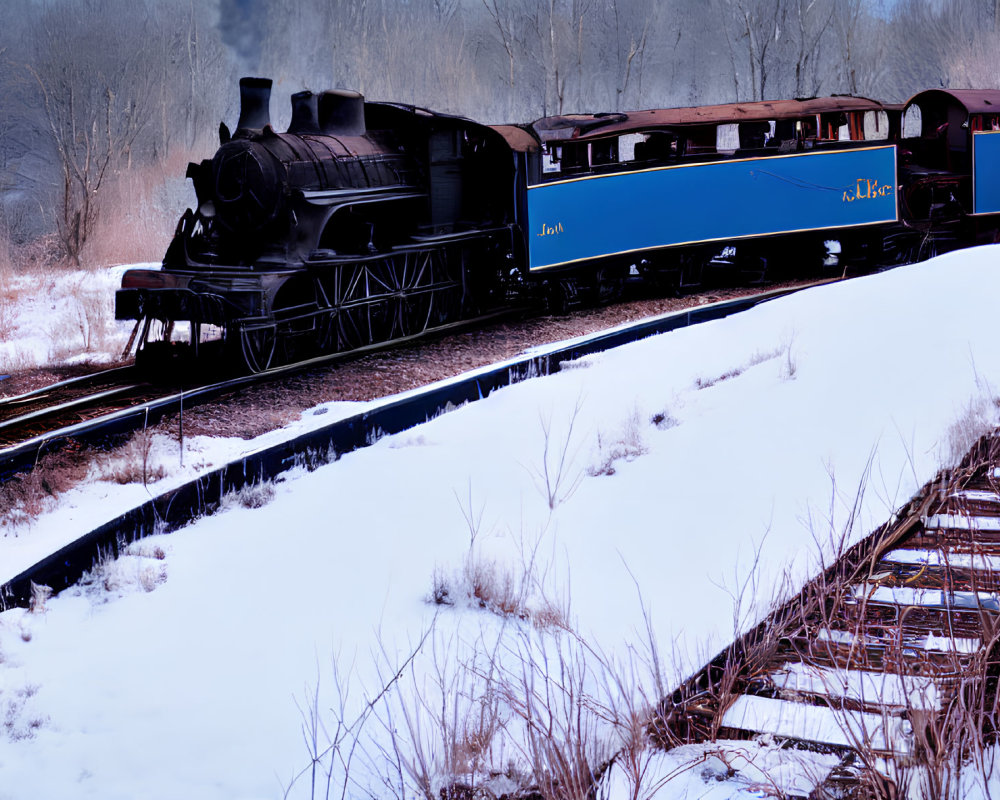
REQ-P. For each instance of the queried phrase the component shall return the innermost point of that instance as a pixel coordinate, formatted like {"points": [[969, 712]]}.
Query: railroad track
{"points": [[94, 407], [889, 659], [64, 404]]}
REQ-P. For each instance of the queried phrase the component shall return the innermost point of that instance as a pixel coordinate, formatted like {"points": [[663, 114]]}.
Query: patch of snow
{"points": [[840, 728], [877, 688], [961, 522]]}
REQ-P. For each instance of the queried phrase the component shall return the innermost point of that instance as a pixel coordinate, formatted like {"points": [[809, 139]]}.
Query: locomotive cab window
{"points": [[984, 122], [701, 139], [805, 130]]}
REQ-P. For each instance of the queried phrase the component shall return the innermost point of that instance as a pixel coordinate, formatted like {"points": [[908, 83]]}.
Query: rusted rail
{"points": [[890, 657]]}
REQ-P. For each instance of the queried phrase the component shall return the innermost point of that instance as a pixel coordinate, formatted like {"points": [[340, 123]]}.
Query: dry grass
{"points": [[137, 214], [26, 496], [976, 419], [500, 589], [8, 305], [253, 495], [133, 462], [626, 444], [516, 590], [759, 357], [18, 724], [39, 595], [141, 566], [556, 476], [705, 383]]}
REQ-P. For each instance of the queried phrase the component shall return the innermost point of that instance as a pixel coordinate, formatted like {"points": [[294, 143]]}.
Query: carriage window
{"points": [[877, 125], [727, 138], [575, 156], [551, 156], [604, 151], [912, 123], [701, 139], [656, 146], [834, 127], [627, 146], [805, 128]]}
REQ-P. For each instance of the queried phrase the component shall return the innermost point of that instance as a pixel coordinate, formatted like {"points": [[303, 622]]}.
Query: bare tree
{"points": [[811, 23], [755, 29], [94, 84]]}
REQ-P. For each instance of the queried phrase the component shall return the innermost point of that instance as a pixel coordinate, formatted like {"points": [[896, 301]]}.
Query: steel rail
{"points": [[21, 457], [108, 375], [79, 402]]}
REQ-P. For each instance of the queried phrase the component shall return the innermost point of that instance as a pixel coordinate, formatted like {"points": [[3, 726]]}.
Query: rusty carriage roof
{"points": [[974, 101], [593, 126]]}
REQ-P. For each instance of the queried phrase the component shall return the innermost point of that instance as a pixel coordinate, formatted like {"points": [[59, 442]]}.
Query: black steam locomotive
{"points": [[367, 222], [363, 222]]}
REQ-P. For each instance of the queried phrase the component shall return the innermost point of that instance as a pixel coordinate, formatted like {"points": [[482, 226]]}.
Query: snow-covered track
{"points": [[891, 657], [203, 495]]}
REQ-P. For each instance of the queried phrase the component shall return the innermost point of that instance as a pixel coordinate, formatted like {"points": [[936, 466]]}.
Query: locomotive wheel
{"points": [[258, 346], [401, 295], [413, 306]]}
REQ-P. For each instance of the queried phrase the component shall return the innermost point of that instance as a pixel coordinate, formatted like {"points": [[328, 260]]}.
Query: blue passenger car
{"points": [[596, 216], [662, 191]]}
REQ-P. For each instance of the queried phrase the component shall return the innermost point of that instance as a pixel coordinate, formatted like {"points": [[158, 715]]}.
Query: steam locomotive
{"points": [[366, 222]]}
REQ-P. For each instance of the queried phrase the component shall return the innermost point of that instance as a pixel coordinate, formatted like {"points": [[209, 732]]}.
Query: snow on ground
{"points": [[687, 481], [60, 316]]}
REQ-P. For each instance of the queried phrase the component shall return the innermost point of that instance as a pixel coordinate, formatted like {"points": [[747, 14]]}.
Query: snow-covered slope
{"points": [[744, 444]]}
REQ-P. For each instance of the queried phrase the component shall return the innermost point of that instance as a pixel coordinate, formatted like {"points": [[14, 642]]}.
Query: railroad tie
{"points": [[889, 660]]}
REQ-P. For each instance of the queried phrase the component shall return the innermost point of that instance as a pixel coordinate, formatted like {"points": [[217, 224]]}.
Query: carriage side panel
{"points": [[597, 216]]}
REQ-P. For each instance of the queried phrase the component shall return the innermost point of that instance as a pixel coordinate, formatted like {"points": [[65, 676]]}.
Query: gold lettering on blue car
{"points": [[550, 230], [868, 189]]}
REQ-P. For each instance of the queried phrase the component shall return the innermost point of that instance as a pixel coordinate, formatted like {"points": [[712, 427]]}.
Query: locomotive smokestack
{"points": [[342, 113], [305, 114], [255, 99]]}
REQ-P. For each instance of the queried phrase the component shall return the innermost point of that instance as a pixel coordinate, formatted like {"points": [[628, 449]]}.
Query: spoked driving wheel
{"points": [[259, 345]]}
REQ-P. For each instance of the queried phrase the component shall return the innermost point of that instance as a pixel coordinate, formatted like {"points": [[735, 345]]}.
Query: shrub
{"points": [[626, 445], [133, 462], [25, 496], [252, 495]]}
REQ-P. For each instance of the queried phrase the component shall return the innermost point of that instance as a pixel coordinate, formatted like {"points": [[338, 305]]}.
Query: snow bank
{"points": [[736, 451]]}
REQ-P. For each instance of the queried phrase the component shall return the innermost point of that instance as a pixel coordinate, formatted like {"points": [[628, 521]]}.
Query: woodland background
{"points": [[104, 101]]}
